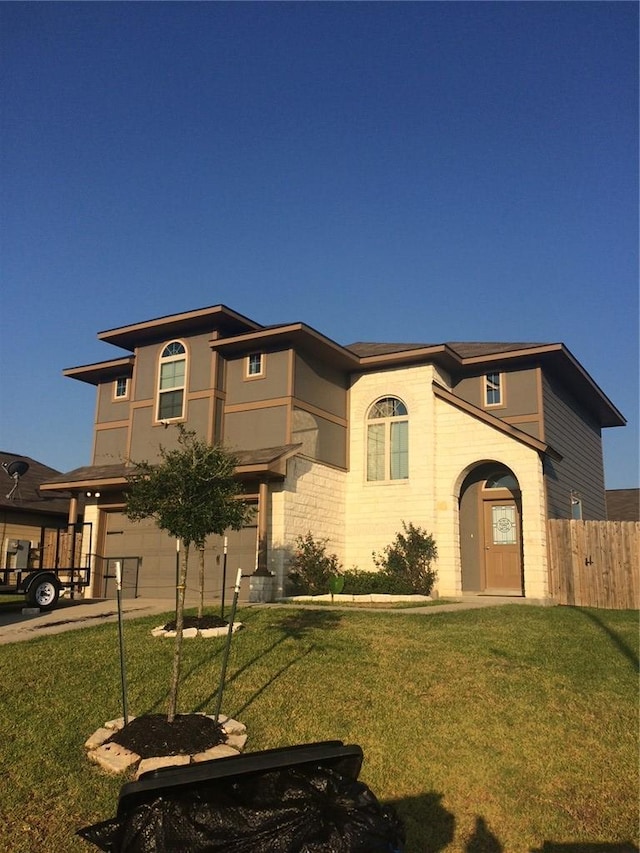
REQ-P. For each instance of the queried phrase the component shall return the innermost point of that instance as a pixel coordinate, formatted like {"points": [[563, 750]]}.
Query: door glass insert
{"points": [[503, 520]]}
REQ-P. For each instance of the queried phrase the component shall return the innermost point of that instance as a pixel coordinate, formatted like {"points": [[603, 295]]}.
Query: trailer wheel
{"points": [[43, 592]]}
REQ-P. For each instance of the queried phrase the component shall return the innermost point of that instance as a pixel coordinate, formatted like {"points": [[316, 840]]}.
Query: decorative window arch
{"points": [[388, 440], [172, 375]]}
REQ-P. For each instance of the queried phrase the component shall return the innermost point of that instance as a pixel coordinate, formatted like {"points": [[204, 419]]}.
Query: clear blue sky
{"points": [[381, 171]]}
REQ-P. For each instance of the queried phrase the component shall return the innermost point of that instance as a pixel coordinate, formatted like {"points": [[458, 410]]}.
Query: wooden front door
{"points": [[502, 547]]}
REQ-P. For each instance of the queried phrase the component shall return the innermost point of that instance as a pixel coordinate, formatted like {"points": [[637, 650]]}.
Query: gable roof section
{"points": [[298, 335], [27, 496], [460, 358], [496, 423]]}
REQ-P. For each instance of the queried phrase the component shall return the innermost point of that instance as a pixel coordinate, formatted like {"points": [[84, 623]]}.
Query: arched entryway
{"points": [[491, 531]]}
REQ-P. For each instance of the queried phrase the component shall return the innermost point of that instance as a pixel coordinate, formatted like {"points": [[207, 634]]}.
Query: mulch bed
{"points": [[152, 735], [194, 622]]}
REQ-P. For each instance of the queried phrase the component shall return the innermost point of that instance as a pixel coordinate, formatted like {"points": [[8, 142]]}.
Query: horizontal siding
{"points": [[574, 434]]}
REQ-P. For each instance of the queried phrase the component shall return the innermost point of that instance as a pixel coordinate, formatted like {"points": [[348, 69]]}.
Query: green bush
{"points": [[409, 558], [311, 568], [374, 583]]}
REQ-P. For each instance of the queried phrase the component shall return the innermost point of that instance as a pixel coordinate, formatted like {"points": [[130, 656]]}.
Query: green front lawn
{"points": [[494, 729]]}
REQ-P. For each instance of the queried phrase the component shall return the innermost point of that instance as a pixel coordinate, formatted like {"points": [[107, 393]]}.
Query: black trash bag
{"points": [[293, 810]]}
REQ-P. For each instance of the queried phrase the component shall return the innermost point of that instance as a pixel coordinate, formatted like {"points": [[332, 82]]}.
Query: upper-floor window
{"points": [[121, 388], [172, 381], [388, 440], [493, 389], [255, 364]]}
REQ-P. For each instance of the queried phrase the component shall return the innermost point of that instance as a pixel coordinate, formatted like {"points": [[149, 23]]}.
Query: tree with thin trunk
{"points": [[191, 493]]}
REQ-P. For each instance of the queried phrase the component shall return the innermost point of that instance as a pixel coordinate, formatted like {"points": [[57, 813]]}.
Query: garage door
{"points": [[149, 560]]}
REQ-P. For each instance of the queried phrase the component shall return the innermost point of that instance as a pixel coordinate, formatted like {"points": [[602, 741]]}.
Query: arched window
{"points": [[501, 480], [171, 381], [388, 440]]}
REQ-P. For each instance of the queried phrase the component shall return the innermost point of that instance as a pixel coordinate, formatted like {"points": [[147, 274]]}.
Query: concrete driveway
{"points": [[68, 615]]}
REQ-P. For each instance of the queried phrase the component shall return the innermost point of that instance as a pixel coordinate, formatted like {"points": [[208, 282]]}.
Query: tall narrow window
{"points": [[255, 364], [171, 383], [388, 440], [121, 388], [492, 389]]}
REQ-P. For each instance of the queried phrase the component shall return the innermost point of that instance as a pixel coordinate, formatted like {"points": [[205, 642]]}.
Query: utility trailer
{"points": [[42, 587]]}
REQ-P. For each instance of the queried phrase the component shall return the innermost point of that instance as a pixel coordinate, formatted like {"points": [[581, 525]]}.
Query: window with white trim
{"points": [[121, 388], [255, 365], [493, 389], [388, 440], [172, 381]]}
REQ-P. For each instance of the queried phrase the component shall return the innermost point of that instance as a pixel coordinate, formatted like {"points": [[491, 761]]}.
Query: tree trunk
{"points": [[177, 651], [201, 601]]}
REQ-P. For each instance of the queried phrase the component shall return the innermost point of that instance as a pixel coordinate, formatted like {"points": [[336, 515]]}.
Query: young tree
{"points": [[191, 493]]}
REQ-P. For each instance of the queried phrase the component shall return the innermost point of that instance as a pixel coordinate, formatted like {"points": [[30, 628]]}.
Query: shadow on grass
{"points": [[294, 626], [617, 641], [430, 828], [263, 687], [587, 847], [428, 825]]}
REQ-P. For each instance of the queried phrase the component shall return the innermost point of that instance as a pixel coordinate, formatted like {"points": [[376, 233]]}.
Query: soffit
{"points": [[101, 371], [215, 318]]}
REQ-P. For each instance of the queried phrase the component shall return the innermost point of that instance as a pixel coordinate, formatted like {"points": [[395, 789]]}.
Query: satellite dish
{"points": [[16, 469]]}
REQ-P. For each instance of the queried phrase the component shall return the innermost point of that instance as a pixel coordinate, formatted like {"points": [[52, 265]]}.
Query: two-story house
{"points": [[478, 443]]}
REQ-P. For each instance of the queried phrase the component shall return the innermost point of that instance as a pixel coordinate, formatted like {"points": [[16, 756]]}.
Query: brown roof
{"points": [[267, 460], [27, 495], [469, 349], [623, 504]]}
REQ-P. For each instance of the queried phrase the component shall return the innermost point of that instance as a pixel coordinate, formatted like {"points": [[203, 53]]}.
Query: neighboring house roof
{"points": [[623, 504], [27, 495]]}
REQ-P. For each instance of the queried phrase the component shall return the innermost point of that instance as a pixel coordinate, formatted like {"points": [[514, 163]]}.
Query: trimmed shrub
{"points": [[311, 568], [374, 583], [409, 558]]}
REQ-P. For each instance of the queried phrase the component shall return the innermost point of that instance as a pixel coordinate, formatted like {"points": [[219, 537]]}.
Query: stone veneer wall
{"points": [[92, 516], [312, 498], [461, 443], [375, 511], [444, 445]]}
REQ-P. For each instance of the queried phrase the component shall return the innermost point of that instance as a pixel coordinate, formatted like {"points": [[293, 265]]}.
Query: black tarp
{"points": [[300, 799]]}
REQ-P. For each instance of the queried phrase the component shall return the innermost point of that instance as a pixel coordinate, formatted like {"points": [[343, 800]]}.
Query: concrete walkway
{"points": [[16, 626]]}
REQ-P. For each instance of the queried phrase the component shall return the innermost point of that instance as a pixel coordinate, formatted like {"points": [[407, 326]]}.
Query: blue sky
{"points": [[382, 171]]}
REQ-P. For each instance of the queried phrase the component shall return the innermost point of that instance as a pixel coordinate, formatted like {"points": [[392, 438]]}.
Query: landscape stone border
{"points": [[197, 632], [115, 758]]}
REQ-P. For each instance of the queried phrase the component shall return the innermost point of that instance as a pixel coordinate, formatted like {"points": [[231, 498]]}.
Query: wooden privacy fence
{"points": [[595, 563]]}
